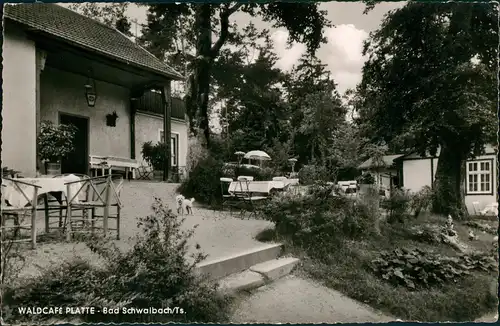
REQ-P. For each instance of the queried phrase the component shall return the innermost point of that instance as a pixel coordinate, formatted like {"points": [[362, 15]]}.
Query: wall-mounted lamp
{"points": [[90, 90]]}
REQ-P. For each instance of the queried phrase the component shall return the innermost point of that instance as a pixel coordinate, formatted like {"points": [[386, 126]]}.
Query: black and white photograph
{"points": [[326, 162]]}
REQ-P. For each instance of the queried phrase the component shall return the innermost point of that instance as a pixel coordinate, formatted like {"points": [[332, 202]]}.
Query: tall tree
{"points": [[111, 14], [430, 83], [255, 101], [315, 106], [304, 21]]}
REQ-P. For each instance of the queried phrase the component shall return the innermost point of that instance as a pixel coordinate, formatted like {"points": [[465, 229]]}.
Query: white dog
{"points": [[179, 200], [188, 205]]}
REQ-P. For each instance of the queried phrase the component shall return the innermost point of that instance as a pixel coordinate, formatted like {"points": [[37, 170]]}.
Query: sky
{"points": [[343, 51]]}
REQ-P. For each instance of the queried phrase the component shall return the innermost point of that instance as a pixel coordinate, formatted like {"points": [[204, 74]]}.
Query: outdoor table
{"points": [[48, 185], [263, 187]]}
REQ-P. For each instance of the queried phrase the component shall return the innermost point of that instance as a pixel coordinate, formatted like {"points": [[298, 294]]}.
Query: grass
{"points": [[344, 270]]}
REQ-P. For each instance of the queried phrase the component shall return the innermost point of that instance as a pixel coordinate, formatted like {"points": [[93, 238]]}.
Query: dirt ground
{"points": [[218, 233]]}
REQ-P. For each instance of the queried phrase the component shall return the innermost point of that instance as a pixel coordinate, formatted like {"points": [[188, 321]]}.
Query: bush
{"points": [[398, 206], [319, 220], [344, 272], [310, 174], [154, 154], [154, 273], [204, 182], [420, 269], [422, 200], [482, 227]]}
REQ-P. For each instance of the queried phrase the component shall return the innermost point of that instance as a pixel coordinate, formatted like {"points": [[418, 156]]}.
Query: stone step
{"points": [[275, 269], [258, 275], [222, 267], [243, 281]]}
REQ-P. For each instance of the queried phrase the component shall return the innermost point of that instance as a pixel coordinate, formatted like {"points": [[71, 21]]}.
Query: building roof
{"points": [[387, 161], [86, 33]]}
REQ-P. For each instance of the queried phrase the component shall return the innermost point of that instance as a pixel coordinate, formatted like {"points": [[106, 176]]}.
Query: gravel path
{"points": [[217, 233], [299, 300]]}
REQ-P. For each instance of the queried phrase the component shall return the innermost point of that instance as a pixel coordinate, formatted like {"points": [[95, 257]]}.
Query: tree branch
{"points": [[224, 29]]}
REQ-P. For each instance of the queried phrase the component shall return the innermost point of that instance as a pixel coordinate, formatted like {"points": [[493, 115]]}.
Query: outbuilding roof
{"points": [[387, 161]]}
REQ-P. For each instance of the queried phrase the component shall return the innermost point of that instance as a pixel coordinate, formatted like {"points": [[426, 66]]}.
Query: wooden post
{"points": [[132, 129], [167, 117], [68, 212], [46, 206], [33, 218], [118, 216], [41, 57], [106, 206]]}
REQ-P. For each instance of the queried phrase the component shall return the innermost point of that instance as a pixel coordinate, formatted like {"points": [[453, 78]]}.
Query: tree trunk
{"points": [[449, 191], [199, 82]]}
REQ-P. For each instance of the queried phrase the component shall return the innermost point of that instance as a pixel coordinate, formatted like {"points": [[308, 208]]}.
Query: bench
{"points": [[109, 163]]}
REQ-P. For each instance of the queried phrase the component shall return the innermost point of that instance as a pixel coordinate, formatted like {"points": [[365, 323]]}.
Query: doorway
{"points": [[78, 160]]}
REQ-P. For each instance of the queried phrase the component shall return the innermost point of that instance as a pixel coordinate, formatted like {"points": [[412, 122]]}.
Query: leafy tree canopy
{"points": [[197, 23], [429, 83], [430, 77]]}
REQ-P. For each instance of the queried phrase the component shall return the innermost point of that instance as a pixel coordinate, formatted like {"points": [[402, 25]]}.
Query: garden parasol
{"points": [[240, 155], [257, 155]]}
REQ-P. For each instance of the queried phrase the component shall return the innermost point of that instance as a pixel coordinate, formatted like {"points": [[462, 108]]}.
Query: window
{"points": [[174, 146], [479, 177]]}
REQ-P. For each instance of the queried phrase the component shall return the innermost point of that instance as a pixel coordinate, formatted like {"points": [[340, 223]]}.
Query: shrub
{"points": [[154, 154], [309, 174], [204, 182], [422, 200], [259, 174], [482, 227], [154, 273], [318, 220], [398, 206], [420, 269]]}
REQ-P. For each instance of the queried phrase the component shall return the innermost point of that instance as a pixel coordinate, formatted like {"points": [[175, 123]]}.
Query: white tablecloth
{"points": [[255, 186], [15, 197]]}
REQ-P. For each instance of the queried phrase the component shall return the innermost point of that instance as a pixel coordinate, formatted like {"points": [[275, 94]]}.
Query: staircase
{"points": [[249, 269]]}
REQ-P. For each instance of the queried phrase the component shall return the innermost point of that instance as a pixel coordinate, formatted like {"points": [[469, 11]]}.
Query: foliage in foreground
{"points": [[319, 228], [309, 220], [421, 269], [154, 273], [466, 300]]}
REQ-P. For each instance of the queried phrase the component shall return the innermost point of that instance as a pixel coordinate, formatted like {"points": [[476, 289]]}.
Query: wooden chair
{"points": [[59, 204], [115, 185], [144, 172], [226, 196], [249, 196], [13, 212], [103, 193]]}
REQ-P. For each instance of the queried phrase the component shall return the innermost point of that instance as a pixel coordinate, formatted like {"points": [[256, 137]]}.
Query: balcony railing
{"points": [[152, 102]]}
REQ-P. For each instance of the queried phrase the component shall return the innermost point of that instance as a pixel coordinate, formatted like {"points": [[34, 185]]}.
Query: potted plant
{"points": [[155, 156], [55, 142]]}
